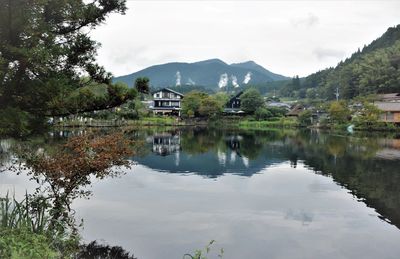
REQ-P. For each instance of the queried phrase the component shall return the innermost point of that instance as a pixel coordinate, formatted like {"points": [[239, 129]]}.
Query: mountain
{"points": [[374, 69], [208, 73], [251, 65]]}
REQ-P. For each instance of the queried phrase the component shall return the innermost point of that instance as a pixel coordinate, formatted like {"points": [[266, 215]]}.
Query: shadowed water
{"points": [[270, 194]]}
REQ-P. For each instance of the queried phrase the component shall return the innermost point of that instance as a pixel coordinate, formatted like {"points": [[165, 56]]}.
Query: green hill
{"points": [[374, 69]]}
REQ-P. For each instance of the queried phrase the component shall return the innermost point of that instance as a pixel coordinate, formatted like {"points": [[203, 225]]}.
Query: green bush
{"points": [[305, 118], [262, 114]]}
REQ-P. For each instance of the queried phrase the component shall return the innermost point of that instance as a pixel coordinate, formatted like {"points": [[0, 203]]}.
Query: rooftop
{"points": [[388, 106]]}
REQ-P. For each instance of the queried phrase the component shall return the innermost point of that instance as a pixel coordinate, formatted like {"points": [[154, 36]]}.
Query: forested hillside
{"points": [[374, 69], [211, 74]]}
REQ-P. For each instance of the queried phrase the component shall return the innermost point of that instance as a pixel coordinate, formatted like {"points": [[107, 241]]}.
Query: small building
{"points": [[167, 102], [390, 111], [296, 110], [233, 105]]}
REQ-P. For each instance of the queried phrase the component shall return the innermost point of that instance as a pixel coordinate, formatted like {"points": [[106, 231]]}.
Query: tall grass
{"points": [[27, 214], [26, 232]]}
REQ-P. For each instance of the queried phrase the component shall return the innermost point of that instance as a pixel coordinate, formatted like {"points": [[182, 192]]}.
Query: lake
{"points": [[259, 194]]}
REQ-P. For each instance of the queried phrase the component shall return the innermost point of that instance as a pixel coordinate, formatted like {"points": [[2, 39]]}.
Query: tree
{"points": [[339, 112], [305, 118], [262, 114], [45, 51], [251, 100], [222, 98], [191, 103], [142, 85], [210, 107]]}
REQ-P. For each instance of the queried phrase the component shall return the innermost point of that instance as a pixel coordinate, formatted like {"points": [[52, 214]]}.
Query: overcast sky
{"points": [[286, 37]]}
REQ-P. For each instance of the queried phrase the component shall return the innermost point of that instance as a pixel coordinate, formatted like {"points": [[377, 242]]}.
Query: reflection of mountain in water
{"points": [[368, 167], [169, 156]]}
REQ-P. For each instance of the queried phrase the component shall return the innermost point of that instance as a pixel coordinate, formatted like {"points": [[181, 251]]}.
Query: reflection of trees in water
{"points": [[352, 163], [95, 250]]}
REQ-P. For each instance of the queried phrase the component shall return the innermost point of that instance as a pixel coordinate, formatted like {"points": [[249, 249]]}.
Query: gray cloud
{"points": [[326, 53], [308, 21]]}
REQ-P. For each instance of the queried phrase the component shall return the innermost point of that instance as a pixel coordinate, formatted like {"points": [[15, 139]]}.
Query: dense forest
{"points": [[374, 69]]}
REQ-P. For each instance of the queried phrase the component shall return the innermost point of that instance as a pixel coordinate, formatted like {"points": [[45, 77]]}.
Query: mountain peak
{"points": [[209, 61], [249, 62]]}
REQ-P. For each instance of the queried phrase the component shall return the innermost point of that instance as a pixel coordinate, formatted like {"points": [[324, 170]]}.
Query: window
{"points": [[389, 116]]}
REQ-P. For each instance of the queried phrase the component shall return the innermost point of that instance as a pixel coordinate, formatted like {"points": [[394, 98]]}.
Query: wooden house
{"points": [[390, 111], [167, 102]]}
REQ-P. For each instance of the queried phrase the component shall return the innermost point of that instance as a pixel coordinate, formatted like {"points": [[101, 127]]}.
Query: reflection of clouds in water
{"points": [[233, 157], [177, 158], [299, 215], [245, 161], [319, 186], [221, 157]]}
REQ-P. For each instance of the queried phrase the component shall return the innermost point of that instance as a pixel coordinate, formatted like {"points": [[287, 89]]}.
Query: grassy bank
{"points": [[259, 125], [156, 121]]}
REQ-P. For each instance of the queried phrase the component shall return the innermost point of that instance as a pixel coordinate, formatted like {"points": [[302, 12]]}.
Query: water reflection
{"points": [[286, 181], [367, 165]]}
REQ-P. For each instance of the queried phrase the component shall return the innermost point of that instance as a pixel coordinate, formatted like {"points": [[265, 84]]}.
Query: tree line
{"points": [[375, 69]]}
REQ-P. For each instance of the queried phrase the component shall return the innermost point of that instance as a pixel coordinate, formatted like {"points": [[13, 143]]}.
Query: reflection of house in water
{"points": [[233, 142], [166, 143], [390, 150]]}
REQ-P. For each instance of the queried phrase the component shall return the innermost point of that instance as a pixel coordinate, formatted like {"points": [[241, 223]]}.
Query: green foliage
{"points": [[368, 118], [25, 230], [262, 114], [192, 102], [222, 98], [251, 100], [23, 243], [202, 254], [14, 121], [305, 118], [199, 104], [339, 112], [210, 107], [375, 69], [44, 51], [265, 125], [142, 85]]}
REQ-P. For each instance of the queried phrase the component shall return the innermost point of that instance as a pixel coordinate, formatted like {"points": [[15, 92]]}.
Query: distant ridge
{"points": [[211, 73]]}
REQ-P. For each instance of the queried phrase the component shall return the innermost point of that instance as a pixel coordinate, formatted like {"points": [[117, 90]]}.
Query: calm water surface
{"points": [[272, 194]]}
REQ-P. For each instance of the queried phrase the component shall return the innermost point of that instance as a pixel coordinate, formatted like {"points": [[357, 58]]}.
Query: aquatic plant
{"points": [[202, 254]]}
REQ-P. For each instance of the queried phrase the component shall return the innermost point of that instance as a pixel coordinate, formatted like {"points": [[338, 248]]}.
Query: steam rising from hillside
{"points": [[178, 78], [190, 82], [247, 78], [223, 80], [234, 81]]}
